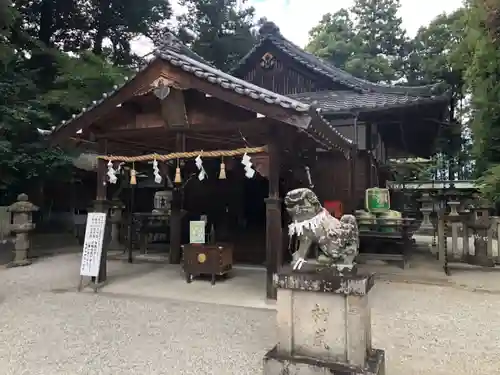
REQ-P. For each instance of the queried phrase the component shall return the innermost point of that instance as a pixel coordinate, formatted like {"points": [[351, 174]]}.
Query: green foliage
{"points": [[217, 30], [367, 40], [85, 78], [434, 51], [334, 38], [483, 83], [106, 27], [34, 95], [489, 184]]}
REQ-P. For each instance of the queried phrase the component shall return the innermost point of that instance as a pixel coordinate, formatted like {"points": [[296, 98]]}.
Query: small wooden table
{"points": [[382, 235], [202, 259]]}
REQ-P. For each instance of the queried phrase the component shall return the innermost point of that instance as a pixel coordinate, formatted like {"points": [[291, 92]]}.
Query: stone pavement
{"points": [[47, 328]]}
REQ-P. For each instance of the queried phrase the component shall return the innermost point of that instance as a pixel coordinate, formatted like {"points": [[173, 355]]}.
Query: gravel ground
{"points": [[424, 330]]}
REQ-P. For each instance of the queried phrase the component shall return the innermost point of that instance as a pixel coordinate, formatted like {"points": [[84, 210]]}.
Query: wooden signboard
{"points": [[92, 246]]}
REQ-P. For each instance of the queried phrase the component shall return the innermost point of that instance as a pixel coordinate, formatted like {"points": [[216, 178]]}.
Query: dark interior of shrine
{"points": [[235, 206]]}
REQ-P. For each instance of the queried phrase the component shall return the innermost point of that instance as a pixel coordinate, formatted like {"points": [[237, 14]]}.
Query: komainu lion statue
{"points": [[338, 240]]}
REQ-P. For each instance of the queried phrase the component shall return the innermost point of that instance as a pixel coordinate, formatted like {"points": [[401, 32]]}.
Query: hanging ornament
{"points": [[156, 172], [111, 173], [222, 173], [178, 178], [249, 171], [133, 178], [199, 165]]}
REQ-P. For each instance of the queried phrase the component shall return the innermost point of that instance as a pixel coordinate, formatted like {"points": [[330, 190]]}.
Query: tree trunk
{"points": [[46, 22], [102, 26]]}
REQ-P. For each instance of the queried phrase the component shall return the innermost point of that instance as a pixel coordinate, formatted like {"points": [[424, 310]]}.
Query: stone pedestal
{"points": [[324, 325]]}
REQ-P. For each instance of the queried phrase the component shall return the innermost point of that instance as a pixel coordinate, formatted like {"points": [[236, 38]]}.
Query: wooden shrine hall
{"points": [[299, 120]]}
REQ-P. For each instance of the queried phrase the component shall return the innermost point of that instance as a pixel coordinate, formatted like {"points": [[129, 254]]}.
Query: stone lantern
{"points": [[22, 213], [426, 209]]}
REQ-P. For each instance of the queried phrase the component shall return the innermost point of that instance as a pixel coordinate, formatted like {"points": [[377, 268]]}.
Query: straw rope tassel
{"points": [[222, 173], [178, 178], [133, 178]]}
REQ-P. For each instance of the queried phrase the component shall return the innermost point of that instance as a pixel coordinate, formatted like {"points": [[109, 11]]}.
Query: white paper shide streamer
{"points": [[199, 164], [249, 171], [298, 227], [111, 173], [156, 172]]}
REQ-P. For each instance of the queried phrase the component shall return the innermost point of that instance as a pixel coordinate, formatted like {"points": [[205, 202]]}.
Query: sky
{"points": [[296, 17]]}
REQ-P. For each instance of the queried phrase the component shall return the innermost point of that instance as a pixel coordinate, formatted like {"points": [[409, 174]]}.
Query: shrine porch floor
{"points": [[151, 277], [134, 327]]}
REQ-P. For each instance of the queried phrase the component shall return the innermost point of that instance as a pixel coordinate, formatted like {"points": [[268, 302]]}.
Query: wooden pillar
{"points": [[353, 166], [370, 160], [274, 231], [101, 205], [175, 217]]}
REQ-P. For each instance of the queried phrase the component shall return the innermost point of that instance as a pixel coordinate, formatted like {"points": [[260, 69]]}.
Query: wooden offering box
{"points": [[201, 259]]}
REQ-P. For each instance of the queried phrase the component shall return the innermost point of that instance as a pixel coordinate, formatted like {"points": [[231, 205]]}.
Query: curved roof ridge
{"points": [[269, 31]]}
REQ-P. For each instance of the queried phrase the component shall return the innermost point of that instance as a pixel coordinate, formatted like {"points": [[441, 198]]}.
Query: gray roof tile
{"points": [[229, 82], [270, 32], [347, 101], [178, 55]]}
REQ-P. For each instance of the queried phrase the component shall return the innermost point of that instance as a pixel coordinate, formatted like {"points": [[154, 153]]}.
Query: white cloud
{"points": [[296, 17]]}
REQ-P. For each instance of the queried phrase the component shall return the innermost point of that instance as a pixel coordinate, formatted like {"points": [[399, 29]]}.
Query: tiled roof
{"points": [[229, 82], [330, 136], [347, 101], [270, 32], [180, 56]]}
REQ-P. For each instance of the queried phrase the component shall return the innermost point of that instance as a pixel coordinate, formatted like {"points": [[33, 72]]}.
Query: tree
{"points": [[334, 38], [367, 40], [481, 53], [218, 30], [28, 102], [383, 40], [434, 57], [106, 27]]}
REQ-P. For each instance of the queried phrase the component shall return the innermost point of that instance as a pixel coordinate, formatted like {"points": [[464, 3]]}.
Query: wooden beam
{"points": [[142, 79], [275, 111], [173, 110], [134, 133]]}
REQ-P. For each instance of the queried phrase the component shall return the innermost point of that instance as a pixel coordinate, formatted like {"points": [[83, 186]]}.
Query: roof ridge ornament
{"points": [[169, 42], [269, 28]]}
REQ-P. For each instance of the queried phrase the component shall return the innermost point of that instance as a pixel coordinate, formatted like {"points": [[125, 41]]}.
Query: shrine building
{"points": [[298, 120]]}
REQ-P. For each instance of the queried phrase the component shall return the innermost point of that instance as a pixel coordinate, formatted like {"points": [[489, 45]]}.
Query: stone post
{"points": [[22, 213], [480, 225], [115, 218], [426, 228], [458, 253], [324, 325]]}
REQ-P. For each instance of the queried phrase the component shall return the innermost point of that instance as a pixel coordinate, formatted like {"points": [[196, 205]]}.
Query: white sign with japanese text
{"points": [[92, 246]]}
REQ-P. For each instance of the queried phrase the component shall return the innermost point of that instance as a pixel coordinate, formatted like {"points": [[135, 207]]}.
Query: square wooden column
{"points": [[353, 166], [274, 231], [175, 226], [175, 215], [101, 205]]}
